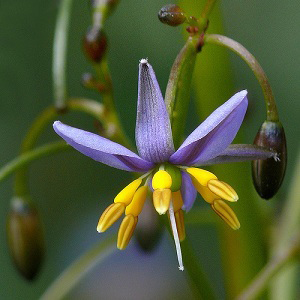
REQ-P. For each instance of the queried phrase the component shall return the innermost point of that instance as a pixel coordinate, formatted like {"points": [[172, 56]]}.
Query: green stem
{"points": [[25, 159], [278, 261], [272, 113], [209, 5], [101, 10], [21, 184], [284, 285], [214, 85], [178, 89], [113, 124], [77, 270], [198, 279], [59, 54]]}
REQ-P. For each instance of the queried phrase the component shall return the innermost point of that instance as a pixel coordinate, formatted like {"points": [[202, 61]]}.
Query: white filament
{"points": [[176, 238]]}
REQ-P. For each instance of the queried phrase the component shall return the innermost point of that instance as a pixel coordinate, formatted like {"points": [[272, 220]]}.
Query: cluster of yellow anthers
{"points": [[167, 198]]}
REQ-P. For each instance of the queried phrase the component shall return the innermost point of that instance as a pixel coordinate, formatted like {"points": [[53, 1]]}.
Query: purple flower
{"points": [[171, 175]]}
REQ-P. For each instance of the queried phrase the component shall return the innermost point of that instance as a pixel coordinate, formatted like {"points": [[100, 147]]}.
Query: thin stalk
{"points": [[177, 96], [274, 265], [113, 124], [284, 285], [77, 270], [60, 54], [214, 85], [101, 11], [217, 39], [21, 184], [27, 158], [209, 5]]}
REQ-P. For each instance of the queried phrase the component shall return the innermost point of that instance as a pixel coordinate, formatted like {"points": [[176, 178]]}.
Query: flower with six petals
{"points": [[172, 176]]}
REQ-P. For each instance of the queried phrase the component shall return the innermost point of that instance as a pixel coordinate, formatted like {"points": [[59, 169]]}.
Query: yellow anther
{"points": [[161, 200], [126, 195], [201, 176], [177, 201], [110, 216], [223, 190], [126, 231], [161, 180], [205, 192], [226, 213], [138, 201], [180, 224]]}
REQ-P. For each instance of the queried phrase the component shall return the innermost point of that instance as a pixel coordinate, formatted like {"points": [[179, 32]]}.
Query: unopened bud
{"points": [[268, 174], [25, 238], [172, 15], [95, 44]]}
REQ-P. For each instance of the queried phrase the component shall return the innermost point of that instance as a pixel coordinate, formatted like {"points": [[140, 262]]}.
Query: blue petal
{"points": [[101, 149], [188, 192], [241, 152], [215, 134], [153, 129]]}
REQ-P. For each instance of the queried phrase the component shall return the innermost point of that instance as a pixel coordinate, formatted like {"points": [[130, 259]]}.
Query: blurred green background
{"points": [[71, 190]]}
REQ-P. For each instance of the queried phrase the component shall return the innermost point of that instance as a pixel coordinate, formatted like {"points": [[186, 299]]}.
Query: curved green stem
{"points": [[214, 85], [68, 279], [21, 185], [217, 39], [25, 159], [278, 261], [59, 54]]}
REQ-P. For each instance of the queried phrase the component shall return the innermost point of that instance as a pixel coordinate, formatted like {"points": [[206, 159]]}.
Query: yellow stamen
{"points": [[161, 180], [223, 190], [161, 200], [226, 213], [110, 216], [126, 195], [138, 201], [205, 192], [126, 231], [177, 200], [201, 176]]}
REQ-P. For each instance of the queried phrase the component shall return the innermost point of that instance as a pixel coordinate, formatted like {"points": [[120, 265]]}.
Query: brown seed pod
{"points": [[25, 238], [172, 15], [268, 174]]}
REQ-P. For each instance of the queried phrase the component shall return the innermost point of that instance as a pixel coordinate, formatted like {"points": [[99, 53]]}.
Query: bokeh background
{"points": [[71, 190]]}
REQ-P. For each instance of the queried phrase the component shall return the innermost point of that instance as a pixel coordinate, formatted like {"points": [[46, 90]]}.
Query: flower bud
{"points": [[25, 238], [148, 231], [95, 44], [268, 174], [172, 15]]}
